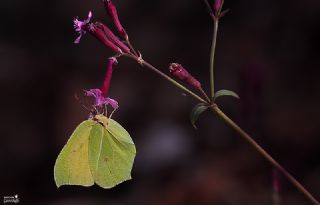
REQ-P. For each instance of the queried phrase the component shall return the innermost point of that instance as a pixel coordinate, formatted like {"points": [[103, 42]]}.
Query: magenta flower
{"points": [[100, 100], [79, 26], [99, 94], [98, 30]]}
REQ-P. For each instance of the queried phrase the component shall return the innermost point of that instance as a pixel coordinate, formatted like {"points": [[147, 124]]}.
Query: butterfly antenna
{"points": [[81, 103]]}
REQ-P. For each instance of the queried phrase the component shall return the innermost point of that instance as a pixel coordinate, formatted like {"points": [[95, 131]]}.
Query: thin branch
{"points": [[204, 94], [264, 153], [212, 55], [171, 80], [131, 47]]}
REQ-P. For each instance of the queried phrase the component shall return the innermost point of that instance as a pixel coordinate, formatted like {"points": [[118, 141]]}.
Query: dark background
{"points": [[268, 52]]}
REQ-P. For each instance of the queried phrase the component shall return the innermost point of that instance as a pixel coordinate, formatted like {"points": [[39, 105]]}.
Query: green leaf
{"points": [[195, 113], [99, 151], [225, 93]]}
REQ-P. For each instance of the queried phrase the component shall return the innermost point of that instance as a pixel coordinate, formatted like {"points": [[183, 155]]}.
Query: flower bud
{"points": [[113, 37], [112, 12], [99, 33], [217, 6], [182, 74]]}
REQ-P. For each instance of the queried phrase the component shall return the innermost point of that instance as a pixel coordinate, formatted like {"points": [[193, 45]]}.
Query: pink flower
{"points": [[79, 26], [98, 30], [99, 94], [100, 100]]}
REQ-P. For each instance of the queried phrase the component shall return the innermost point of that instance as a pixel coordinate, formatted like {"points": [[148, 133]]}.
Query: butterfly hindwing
{"points": [[110, 159]]}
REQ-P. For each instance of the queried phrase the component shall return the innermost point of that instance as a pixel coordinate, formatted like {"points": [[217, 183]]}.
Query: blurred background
{"points": [[267, 51]]}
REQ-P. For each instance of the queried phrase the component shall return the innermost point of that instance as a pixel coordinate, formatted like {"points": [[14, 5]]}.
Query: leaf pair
{"points": [[99, 151], [201, 107]]}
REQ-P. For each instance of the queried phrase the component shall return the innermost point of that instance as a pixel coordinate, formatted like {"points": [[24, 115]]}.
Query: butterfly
{"points": [[100, 151]]}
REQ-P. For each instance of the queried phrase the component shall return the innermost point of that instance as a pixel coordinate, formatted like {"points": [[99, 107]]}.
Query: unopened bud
{"points": [[99, 33], [113, 37], [182, 74], [217, 6], [112, 12]]}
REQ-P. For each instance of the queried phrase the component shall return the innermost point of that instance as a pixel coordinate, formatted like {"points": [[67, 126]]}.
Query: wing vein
{"points": [[100, 150], [112, 161]]}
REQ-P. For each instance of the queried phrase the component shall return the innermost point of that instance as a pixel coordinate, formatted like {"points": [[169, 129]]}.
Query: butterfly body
{"points": [[102, 120]]}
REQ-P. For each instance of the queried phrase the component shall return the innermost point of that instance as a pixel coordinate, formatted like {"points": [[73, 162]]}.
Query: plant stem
{"points": [[213, 50], [204, 94], [208, 7], [131, 47], [214, 108], [171, 80]]}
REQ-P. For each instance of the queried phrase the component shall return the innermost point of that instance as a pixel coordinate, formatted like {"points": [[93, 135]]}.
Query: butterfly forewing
{"points": [[72, 167]]}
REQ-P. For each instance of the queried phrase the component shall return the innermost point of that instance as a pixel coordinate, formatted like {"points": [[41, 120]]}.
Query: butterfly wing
{"points": [[72, 167], [111, 154]]}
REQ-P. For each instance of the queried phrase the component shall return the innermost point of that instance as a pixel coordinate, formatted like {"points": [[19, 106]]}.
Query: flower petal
{"points": [[114, 104], [78, 39], [100, 100], [93, 92], [79, 26]]}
